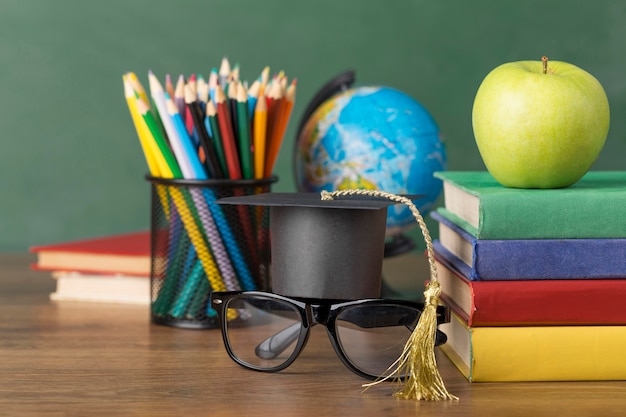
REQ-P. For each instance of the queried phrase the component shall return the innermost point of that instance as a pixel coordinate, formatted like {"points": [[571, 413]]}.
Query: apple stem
{"points": [[545, 64]]}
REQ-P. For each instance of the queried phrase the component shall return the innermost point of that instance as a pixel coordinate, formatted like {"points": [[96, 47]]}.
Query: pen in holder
{"points": [[199, 246]]}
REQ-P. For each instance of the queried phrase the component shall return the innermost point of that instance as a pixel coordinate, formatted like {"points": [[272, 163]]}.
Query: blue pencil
{"points": [[253, 95]]}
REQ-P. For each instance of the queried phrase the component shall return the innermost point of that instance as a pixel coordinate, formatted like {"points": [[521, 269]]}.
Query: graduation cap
{"points": [[331, 246], [324, 249]]}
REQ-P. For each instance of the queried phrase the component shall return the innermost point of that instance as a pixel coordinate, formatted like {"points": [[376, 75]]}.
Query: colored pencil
{"points": [[177, 141], [278, 133], [138, 87], [224, 72], [141, 93], [206, 258], [274, 99], [171, 167], [234, 73], [260, 126], [226, 129], [187, 216], [253, 95], [183, 205], [232, 105], [211, 161], [187, 117], [211, 120], [245, 152], [194, 168], [179, 94], [213, 80], [169, 87], [148, 147], [265, 76], [202, 88], [218, 231]]}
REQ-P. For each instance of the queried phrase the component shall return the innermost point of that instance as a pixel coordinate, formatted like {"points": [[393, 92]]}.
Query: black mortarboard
{"points": [[325, 246], [324, 249]]}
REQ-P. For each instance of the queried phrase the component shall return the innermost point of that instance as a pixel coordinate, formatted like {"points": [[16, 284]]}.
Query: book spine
{"points": [[532, 259], [592, 208], [552, 353], [539, 302], [575, 216], [531, 353]]}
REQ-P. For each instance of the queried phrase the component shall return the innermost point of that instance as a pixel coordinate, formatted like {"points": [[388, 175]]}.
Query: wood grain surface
{"points": [[82, 359]]}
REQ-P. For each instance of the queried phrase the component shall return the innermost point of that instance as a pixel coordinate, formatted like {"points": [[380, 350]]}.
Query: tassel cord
{"points": [[418, 356]]}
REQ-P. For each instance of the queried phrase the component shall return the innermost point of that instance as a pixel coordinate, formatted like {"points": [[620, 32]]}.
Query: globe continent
{"points": [[375, 138]]}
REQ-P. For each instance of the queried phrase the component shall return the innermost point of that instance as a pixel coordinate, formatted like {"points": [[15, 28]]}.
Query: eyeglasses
{"points": [[266, 332]]}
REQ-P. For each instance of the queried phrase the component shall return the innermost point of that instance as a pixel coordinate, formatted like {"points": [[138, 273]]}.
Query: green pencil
{"points": [[211, 117], [159, 139], [243, 121]]}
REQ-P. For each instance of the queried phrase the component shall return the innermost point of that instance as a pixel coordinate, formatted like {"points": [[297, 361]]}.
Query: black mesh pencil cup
{"points": [[199, 247]]}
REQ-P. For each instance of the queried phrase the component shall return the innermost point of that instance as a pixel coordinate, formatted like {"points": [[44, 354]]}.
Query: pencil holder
{"points": [[199, 247]]}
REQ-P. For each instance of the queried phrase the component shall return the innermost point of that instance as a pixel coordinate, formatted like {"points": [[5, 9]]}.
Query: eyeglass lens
{"points": [[370, 336], [266, 331]]}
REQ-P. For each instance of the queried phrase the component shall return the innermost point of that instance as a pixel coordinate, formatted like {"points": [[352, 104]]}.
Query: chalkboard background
{"points": [[71, 164]]}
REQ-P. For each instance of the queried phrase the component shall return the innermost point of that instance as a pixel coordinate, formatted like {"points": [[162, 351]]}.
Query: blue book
{"points": [[527, 259]]}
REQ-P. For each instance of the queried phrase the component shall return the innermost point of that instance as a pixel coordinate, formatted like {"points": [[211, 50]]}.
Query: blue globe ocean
{"points": [[374, 138]]}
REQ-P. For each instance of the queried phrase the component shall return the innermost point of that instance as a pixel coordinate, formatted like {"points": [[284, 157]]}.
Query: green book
{"points": [[594, 207]]}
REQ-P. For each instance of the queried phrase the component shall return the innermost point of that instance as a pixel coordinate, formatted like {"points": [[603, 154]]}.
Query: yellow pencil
{"points": [[138, 88], [147, 146]]}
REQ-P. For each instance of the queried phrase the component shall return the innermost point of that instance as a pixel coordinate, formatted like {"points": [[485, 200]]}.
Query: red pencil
{"points": [[274, 99], [228, 137]]}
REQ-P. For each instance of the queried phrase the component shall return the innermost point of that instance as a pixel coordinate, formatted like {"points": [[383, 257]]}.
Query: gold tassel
{"points": [[418, 357]]}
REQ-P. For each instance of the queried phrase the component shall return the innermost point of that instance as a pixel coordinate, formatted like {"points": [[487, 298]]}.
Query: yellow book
{"points": [[540, 353]]}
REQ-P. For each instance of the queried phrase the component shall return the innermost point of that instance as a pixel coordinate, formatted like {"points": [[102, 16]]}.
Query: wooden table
{"points": [[71, 358]]}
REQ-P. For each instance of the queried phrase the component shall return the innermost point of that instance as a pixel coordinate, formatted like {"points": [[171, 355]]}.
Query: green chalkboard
{"points": [[71, 165]]}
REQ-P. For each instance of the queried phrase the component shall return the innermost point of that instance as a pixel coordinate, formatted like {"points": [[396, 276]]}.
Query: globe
{"points": [[375, 138]]}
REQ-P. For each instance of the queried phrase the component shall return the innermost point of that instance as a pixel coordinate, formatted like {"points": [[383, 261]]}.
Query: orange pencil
{"points": [[260, 131], [228, 137], [274, 116], [285, 111]]}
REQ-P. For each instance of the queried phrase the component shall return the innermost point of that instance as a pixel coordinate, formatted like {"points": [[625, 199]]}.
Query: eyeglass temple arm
{"points": [[277, 343]]}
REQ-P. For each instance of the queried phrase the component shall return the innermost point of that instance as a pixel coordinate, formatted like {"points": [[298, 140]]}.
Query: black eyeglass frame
{"points": [[312, 312]]}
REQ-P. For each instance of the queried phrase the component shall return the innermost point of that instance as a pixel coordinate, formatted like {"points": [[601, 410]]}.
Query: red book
{"points": [[532, 303], [127, 253]]}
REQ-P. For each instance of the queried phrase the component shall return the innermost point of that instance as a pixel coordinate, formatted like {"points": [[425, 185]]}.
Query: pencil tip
{"points": [[190, 97]]}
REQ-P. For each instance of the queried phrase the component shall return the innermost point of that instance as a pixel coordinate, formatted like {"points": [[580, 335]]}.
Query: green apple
{"points": [[540, 124]]}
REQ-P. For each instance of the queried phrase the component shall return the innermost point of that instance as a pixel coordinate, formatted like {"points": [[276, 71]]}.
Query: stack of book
{"points": [[536, 279], [114, 269]]}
